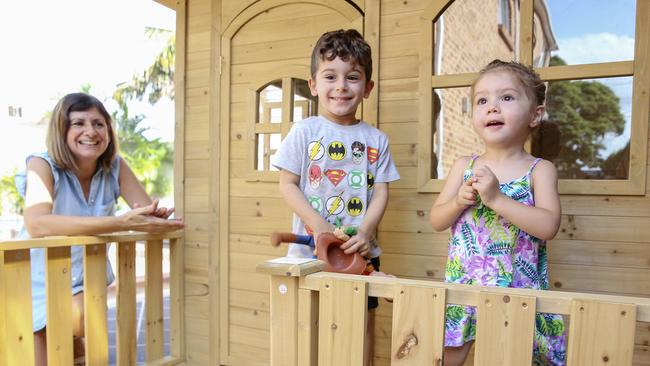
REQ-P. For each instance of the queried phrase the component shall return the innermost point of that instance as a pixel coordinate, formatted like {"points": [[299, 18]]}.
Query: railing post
{"points": [[287, 312], [17, 284], [59, 306], [95, 323]]}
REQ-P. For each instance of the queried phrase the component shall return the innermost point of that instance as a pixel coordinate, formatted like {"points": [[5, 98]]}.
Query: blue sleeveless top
{"points": [[69, 200]]}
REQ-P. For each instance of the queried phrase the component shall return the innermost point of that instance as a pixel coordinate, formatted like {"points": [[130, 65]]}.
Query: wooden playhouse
{"points": [[242, 67]]}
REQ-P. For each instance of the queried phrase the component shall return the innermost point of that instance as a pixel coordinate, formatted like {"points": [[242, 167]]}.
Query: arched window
{"points": [[277, 105], [596, 126]]}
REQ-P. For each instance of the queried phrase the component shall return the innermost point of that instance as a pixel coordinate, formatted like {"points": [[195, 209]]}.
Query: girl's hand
{"points": [[487, 185], [466, 196], [359, 243], [145, 219]]}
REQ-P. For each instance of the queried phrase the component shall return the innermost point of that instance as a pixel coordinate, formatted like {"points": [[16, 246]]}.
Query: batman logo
{"points": [[371, 181], [354, 206], [336, 150]]}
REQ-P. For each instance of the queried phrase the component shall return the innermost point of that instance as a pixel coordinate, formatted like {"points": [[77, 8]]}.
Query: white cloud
{"points": [[596, 47]]}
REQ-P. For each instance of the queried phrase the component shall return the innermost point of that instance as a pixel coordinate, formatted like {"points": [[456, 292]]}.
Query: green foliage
{"points": [[9, 195], [150, 160], [585, 111], [157, 81]]}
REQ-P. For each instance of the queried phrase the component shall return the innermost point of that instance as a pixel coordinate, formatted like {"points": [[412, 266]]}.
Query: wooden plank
{"points": [[153, 300], [400, 111], [18, 308], [308, 327], [95, 320], [504, 329], [342, 322], [59, 306], [526, 32], [401, 23], [629, 281], [418, 326], [176, 298], [3, 312], [586, 71], [284, 321], [371, 26], [600, 253], [601, 333], [398, 68], [126, 316]]}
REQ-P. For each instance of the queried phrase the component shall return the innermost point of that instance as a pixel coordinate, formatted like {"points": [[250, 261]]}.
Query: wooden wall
{"points": [[603, 244]]}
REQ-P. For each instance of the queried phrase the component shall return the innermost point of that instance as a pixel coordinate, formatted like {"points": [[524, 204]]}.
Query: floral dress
{"points": [[485, 249]]}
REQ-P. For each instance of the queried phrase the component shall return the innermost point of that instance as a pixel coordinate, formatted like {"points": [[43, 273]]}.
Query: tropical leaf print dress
{"points": [[485, 249]]}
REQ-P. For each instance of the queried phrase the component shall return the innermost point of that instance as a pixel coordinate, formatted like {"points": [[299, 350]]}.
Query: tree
{"points": [[585, 112], [151, 160], [9, 195]]}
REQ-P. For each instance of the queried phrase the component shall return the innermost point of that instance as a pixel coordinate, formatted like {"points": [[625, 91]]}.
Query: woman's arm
{"points": [[454, 198], [541, 220], [293, 196], [39, 220]]}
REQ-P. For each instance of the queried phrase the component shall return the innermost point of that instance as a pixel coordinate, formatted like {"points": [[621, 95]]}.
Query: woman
{"points": [[72, 189]]}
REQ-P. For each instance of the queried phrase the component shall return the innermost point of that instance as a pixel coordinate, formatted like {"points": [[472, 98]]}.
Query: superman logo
{"points": [[373, 154], [336, 150], [354, 206], [335, 176]]}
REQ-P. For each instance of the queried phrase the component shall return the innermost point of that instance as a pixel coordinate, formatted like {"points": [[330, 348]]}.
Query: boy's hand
{"points": [[467, 193], [359, 243], [487, 185]]}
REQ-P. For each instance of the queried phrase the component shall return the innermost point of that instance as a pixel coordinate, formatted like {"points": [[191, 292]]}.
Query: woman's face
{"points": [[88, 135]]}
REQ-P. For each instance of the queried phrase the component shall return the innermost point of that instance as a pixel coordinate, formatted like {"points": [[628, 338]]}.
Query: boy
{"points": [[334, 168]]}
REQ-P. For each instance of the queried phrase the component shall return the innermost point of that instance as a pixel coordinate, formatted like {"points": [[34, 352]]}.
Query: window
{"points": [[598, 142], [277, 105], [505, 22]]}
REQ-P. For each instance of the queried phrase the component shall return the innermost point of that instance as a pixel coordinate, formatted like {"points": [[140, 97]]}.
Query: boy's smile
{"points": [[340, 87]]}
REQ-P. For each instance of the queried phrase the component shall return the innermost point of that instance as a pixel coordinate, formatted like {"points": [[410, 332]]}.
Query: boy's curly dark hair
{"points": [[533, 84], [347, 44]]}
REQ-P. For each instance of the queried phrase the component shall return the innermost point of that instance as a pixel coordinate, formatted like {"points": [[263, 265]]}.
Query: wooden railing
{"points": [[319, 318], [16, 336]]}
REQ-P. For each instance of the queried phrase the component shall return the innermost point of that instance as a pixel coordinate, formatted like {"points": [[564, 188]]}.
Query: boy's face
{"points": [[340, 87]]}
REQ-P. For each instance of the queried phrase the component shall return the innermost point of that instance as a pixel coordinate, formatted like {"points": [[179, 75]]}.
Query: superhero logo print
{"points": [[315, 176], [315, 150], [334, 205], [316, 203], [356, 179], [354, 206], [371, 181], [373, 155], [336, 150], [358, 150], [335, 176]]}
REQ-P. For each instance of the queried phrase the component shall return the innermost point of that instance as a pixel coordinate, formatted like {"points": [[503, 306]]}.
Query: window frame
{"points": [[638, 68]]}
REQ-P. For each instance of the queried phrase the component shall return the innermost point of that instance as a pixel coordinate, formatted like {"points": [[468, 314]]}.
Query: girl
{"points": [[502, 206], [72, 189]]}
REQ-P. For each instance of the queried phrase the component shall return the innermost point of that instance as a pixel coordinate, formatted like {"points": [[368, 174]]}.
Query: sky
{"points": [[590, 31], [51, 48]]}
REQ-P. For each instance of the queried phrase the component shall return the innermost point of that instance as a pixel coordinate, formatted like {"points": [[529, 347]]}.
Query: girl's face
{"points": [[503, 114], [88, 135]]}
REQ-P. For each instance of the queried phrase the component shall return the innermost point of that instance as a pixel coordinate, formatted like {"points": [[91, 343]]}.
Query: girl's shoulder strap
{"points": [[532, 166], [468, 169]]}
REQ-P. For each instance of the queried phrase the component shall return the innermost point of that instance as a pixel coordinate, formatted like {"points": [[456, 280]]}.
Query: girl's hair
{"points": [[57, 131], [348, 44], [533, 84]]}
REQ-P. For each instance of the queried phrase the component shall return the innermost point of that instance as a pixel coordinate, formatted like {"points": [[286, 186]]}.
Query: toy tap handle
{"points": [[279, 238]]}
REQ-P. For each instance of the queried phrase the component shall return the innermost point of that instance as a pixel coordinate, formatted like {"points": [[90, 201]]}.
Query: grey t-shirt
{"points": [[338, 166]]}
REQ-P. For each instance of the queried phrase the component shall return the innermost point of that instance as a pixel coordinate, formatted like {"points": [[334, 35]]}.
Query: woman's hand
{"points": [[487, 185], [359, 243], [151, 219]]}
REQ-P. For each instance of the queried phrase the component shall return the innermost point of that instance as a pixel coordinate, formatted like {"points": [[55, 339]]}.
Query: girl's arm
{"points": [[361, 241], [454, 198], [293, 196], [39, 220], [541, 220]]}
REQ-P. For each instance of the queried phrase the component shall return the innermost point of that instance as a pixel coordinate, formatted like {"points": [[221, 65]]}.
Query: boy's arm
{"points": [[543, 219], [366, 231], [447, 208], [293, 196]]}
